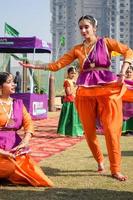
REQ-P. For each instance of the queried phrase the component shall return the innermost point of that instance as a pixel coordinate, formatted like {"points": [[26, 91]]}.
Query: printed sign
{"points": [[38, 108]]}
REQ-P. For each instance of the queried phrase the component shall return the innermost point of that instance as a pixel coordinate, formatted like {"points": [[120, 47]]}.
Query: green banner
{"points": [[10, 30], [62, 41]]}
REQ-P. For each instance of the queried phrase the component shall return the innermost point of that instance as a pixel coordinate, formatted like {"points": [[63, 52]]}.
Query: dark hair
{"points": [[17, 72], [71, 69], [130, 67], [92, 20], [3, 77]]}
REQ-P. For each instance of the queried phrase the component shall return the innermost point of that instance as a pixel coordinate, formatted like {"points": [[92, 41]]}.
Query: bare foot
{"points": [[101, 168], [119, 176]]}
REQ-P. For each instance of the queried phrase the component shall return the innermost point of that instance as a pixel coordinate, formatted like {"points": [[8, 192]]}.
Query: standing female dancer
{"points": [[99, 90], [69, 123], [16, 164]]}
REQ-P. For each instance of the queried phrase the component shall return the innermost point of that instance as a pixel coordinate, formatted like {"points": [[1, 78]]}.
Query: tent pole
{"points": [[24, 75], [51, 92], [31, 73]]}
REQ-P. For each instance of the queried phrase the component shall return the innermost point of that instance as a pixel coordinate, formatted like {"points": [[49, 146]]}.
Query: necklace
{"points": [[9, 114], [90, 46], [7, 102]]}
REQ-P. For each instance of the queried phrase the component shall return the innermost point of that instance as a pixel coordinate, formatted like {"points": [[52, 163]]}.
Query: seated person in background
{"points": [[128, 103], [129, 73], [16, 165], [69, 123]]}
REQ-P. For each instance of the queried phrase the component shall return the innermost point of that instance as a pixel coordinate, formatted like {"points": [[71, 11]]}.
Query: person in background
{"points": [[129, 73], [16, 165], [127, 128], [17, 80], [69, 122], [99, 91]]}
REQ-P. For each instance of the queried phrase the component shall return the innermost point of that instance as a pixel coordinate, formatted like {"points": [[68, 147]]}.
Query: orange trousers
{"points": [[106, 103], [23, 171]]}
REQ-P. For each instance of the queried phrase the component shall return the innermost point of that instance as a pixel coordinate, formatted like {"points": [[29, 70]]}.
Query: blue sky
{"points": [[29, 17]]}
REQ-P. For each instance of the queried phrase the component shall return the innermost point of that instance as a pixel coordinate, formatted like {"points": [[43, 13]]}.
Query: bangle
{"points": [[127, 62], [121, 74], [29, 133]]}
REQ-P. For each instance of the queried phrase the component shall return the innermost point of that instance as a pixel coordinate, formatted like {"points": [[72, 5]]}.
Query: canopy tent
{"points": [[37, 105], [24, 45]]}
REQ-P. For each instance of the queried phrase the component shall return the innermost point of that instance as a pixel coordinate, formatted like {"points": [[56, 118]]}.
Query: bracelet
{"points": [[127, 62], [121, 74], [29, 133]]}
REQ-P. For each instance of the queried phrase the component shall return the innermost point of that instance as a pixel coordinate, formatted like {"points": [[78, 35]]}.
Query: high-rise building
{"points": [[65, 15], [131, 24], [119, 16], [120, 19], [115, 19]]}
